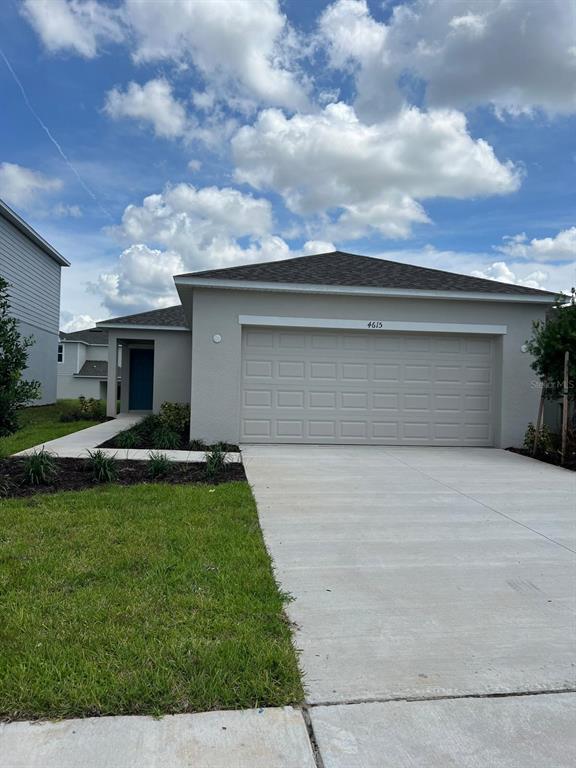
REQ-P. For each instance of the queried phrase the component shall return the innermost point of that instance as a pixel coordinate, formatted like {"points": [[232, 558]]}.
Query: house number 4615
{"points": [[374, 324]]}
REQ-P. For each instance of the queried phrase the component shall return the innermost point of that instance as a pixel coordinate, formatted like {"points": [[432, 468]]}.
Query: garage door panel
{"points": [[290, 399], [326, 386], [289, 428]]}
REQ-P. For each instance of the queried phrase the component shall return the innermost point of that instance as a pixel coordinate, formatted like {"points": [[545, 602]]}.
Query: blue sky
{"points": [[148, 138]]}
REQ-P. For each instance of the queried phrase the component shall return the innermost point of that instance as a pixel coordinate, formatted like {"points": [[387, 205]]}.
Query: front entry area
{"points": [[141, 385], [304, 386]]}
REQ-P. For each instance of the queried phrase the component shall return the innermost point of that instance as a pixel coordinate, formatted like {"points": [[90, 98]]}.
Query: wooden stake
{"points": [[565, 407], [539, 421]]}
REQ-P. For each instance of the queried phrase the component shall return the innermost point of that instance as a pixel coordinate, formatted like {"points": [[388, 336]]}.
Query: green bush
{"points": [[158, 465], [197, 445], [104, 468], [176, 416], [40, 468], [127, 439], [545, 442], [5, 486], [144, 431], [165, 438], [15, 393], [215, 463], [87, 409]]}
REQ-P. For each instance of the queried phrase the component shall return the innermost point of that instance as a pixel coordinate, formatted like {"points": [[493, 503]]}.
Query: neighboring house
{"points": [[83, 364], [337, 348], [32, 268]]}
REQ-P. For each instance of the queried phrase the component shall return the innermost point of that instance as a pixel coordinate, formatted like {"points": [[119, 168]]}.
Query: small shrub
{"points": [[215, 462], [39, 468], [545, 442], [104, 468], [197, 445], [146, 428], [126, 439], [176, 416], [158, 465], [87, 409], [94, 410], [5, 486], [226, 447], [165, 438], [15, 392]]}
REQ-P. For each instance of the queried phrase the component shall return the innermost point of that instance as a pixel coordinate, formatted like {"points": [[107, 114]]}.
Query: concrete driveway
{"points": [[422, 573]]}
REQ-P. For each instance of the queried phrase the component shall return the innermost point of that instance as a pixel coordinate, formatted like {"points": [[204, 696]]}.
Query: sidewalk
{"points": [[255, 738], [77, 444]]}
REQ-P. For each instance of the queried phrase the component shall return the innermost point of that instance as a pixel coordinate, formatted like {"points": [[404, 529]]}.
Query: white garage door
{"points": [[375, 387]]}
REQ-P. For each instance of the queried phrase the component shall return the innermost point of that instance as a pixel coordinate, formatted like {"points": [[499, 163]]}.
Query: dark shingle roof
{"points": [[170, 317], [94, 368], [89, 336], [348, 269]]}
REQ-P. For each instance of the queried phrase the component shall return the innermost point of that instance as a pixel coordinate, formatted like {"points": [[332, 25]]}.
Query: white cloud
{"points": [[372, 175], [21, 186], [80, 27], [62, 211], [152, 102], [242, 43], [184, 229], [183, 217], [561, 247], [245, 49], [142, 278], [70, 322], [357, 43], [501, 272], [317, 246], [517, 55]]}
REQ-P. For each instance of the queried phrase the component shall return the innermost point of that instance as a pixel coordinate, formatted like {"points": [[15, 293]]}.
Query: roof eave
{"points": [[137, 327], [405, 293], [31, 234]]}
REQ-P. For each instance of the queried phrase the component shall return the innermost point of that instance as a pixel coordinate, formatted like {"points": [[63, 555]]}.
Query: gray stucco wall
{"points": [[75, 354], [34, 278], [172, 364], [216, 370]]}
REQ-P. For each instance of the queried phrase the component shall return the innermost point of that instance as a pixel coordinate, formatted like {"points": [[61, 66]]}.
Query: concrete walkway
{"points": [[265, 738], [78, 444], [423, 573]]}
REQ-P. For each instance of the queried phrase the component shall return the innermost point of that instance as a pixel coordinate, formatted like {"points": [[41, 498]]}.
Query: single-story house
{"points": [[32, 267], [83, 364], [336, 348]]}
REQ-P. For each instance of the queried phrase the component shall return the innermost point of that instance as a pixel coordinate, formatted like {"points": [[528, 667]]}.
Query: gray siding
{"points": [[34, 279], [42, 363]]}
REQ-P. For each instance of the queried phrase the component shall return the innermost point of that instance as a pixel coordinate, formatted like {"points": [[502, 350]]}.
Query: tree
{"points": [[14, 392], [550, 340]]}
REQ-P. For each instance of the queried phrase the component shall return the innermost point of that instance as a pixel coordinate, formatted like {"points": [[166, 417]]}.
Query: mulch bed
{"points": [[76, 474], [548, 458]]}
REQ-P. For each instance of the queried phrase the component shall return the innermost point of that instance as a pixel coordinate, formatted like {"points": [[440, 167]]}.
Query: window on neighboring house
{"points": [[60, 353]]}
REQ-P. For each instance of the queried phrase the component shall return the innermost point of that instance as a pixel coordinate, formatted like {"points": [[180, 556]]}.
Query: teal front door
{"points": [[141, 378]]}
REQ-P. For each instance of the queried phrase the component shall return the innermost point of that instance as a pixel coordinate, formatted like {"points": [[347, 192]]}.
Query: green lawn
{"points": [[144, 599], [39, 424]]}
